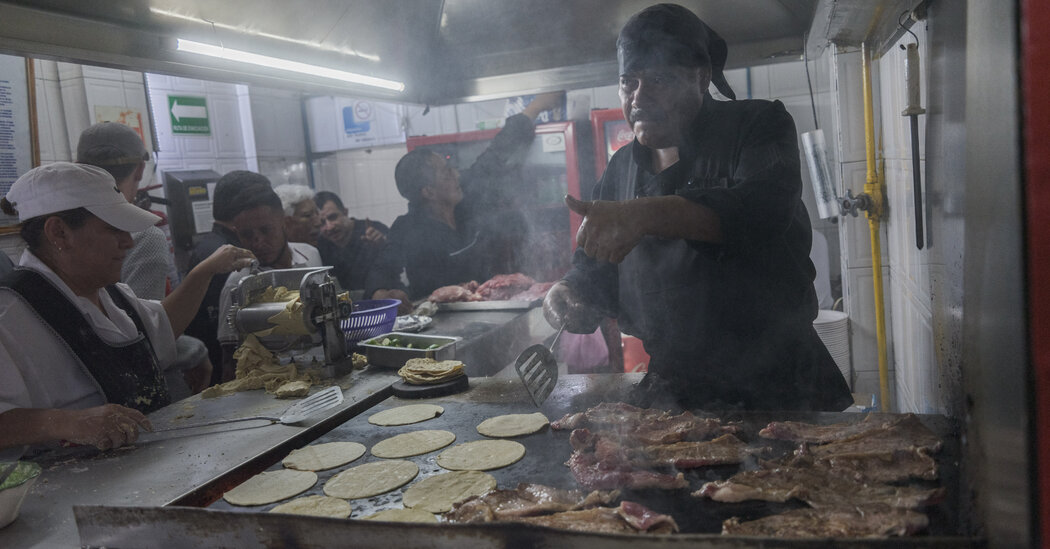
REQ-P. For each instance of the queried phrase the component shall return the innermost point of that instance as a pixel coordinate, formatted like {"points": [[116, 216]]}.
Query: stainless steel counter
{"points": [[195, 467]]}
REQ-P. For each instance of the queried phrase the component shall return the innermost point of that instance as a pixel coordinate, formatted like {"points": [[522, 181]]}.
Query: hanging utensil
{"points": [[538, 369], [912, 110], [304, 409]]}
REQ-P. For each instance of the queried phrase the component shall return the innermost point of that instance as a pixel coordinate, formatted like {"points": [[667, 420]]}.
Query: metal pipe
{"points": [[873, 189]]}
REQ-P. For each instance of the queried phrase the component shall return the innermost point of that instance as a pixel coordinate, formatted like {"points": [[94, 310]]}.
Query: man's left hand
{"points": [[610, 229]]}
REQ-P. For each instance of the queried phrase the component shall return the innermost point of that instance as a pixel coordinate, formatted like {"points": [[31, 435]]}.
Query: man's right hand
{"points": [[107, 426], [563, 306]]}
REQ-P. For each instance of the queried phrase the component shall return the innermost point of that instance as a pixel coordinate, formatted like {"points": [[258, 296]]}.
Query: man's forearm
{"points": [[677, 217]]}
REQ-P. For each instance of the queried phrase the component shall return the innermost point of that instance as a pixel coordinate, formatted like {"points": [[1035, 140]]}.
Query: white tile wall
{"points": [[231, 145], [364, 179], [907, 279]]}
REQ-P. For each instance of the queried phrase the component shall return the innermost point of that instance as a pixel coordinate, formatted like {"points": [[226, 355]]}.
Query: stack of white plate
{"points": [[833, 329]]}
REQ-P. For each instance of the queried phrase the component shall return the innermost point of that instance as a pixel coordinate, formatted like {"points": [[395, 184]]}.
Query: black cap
{"points": [[668, 34]]}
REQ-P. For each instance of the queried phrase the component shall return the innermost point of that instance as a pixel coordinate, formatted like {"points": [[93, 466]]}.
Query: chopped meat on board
{"points": [[868, 521], [526, 500], [597, 475], [454, 293], [506, 287], [503, 286], [628, 518], [819, 488]]}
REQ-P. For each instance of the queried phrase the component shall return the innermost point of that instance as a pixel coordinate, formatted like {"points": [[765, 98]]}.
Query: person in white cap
{"points": [[80, 354], [149, 268]]}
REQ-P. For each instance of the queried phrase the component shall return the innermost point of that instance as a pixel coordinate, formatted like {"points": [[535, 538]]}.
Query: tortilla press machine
{"points": [[284, 325]]}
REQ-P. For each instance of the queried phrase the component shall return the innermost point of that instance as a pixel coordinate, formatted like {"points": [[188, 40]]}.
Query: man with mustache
{"points": [[697, 239]]}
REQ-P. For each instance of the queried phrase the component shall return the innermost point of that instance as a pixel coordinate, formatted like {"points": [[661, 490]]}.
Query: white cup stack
{"points": [[833, 329]]}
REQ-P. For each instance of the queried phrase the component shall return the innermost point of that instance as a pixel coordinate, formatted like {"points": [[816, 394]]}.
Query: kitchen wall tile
{"points": [[101, 73], [188, 84], [70, 71], [858, 288], [851, 103], [760, 87], [44, 69], [225, 118], [788, 79]]}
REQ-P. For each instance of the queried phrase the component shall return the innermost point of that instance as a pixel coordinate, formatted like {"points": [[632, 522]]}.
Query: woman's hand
{"points": [[227, 258], [107, 426]]}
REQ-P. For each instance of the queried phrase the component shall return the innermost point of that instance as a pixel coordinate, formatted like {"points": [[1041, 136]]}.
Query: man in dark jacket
{"points": [[698, 240], [458, 227]]}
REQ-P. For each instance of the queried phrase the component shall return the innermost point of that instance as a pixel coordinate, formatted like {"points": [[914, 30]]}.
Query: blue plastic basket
{"points": [[370, 318]]}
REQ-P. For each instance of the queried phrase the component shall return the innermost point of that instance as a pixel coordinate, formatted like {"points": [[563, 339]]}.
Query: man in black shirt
{"points": [[698, 241], [458, 227], [350, 245]]}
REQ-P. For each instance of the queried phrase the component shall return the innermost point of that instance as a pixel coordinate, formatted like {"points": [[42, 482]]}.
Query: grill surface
{"points": [[547, 451]]}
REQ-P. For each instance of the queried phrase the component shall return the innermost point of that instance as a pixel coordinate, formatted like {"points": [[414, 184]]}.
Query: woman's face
{"points": [[96, 253]]}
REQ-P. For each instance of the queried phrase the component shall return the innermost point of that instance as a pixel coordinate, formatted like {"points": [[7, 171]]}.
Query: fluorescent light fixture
{"points": [[284, 64], [252, 32]]}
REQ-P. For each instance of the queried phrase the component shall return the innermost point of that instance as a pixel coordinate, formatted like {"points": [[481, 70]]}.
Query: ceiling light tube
{"points": [[273, 62]]}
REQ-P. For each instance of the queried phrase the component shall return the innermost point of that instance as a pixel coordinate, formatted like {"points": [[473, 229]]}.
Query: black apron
{"points": [[128, 374], [717, 350]]}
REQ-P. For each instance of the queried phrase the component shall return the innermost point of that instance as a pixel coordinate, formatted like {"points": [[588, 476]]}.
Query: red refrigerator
{"points": [[556, 164], [611, 132]]}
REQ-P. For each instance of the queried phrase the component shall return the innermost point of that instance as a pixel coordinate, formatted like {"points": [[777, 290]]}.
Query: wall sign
{"points": [[189, 115], [16, 148]]}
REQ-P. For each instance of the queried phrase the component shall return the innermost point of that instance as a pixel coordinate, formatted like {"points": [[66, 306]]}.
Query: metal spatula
{"points": [[305, 408], [538, 369]]}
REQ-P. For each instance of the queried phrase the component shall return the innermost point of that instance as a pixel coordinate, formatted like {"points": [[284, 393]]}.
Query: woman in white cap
{"points": [[81, 356]]}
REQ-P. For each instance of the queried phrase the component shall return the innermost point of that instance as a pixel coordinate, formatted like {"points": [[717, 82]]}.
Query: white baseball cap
{"points": [[66, 186]]}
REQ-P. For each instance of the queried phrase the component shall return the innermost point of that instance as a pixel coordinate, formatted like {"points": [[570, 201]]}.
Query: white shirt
{"points": [[303, 255], [37, 369]]}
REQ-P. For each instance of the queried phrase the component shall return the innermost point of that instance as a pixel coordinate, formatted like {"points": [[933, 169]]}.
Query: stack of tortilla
{"points": [[427, 371]]}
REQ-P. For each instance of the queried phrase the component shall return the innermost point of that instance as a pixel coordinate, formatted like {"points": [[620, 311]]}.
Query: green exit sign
{"points": [[189, 115]]}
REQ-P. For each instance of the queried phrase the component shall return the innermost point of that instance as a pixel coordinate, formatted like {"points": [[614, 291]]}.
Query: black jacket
{"points": [[730, 324]]}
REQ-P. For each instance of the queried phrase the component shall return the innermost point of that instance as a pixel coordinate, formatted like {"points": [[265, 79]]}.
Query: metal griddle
{"points": [[546, 453], [548, 450]]}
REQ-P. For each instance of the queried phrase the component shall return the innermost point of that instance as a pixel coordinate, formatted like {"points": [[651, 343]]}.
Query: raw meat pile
{"points": [[568, 509], [504, 287]]}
